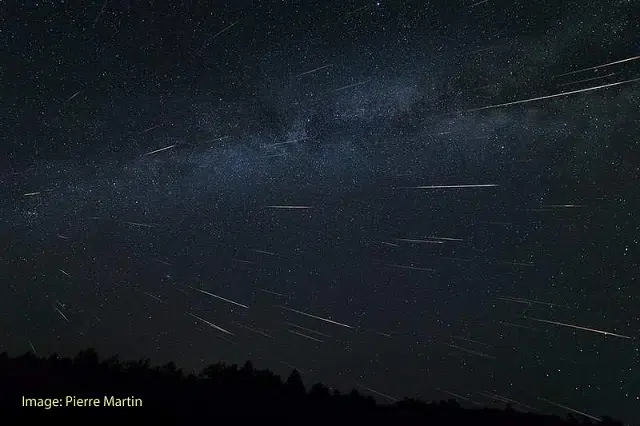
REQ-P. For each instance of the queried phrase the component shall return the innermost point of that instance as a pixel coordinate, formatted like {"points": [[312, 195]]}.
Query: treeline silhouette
{"points": [[220, 391]]}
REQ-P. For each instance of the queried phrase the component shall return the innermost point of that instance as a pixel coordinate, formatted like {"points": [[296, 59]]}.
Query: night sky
{"points": [[425, 199]]}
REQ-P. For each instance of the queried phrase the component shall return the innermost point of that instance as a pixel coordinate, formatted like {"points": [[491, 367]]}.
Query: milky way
{"points": [[427, 200]]}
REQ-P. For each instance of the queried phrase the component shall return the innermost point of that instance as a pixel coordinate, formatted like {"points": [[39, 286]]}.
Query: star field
{"points": [[423, 199]]}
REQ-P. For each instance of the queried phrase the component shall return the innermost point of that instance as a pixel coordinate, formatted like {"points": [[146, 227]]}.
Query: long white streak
{"points": [[74, 95], [64, 272], [349, 86], [577, 327], [314, 70], [156, 298], [587, 79], [523, 300], [314, 316], [265, 252], [33, 348], [223, 31], [162, 261], [633, 58], [557, 95], [390, 398], [510, 324], [484, 185], [60, 312], [570, 409], [389, 244], [479, 3], [411, 240], [31, 194], [288, 207], [244, 261], [471, 341], [221, 298], [563, 206], [272, 292], [211, 324], [305, 336], [512, 400], [472, 351], [464, 398], [62, 237], [307, 329], [413, 268], [143, 225], [255, 331], [161, 149], [447, 239]]}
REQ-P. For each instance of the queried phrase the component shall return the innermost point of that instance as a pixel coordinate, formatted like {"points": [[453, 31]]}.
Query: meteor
{"points": [[570, 409], [288, 207], [160, 150], [633, 58], [577, 327], [556, 95], [484, 185], [211, 324], [313, 316], [220, 297]]}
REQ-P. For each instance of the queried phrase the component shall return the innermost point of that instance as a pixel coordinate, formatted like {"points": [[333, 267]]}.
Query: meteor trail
{"points": [[528, 301], [161, 149], [74, 95], [633, 58], [484, 185], [31, 194], [469, 351], [32, 347], [60, 312], [305, 336], [314, 70], [390, 398], [288, 207], [577, 327], [265, 252], [413, 268], [154, 297], [313, 316], [211, 324], [220, 297], [410, 240], [143, 225], [570, 409], [308, 329], [255, 330], [272, 292], [66, 273], [557, 95]]}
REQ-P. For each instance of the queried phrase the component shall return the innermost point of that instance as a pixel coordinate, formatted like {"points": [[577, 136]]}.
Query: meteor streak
{"points": [[288, 207], [390, 398], [160, 150], [211, 324], [557, 95], [313, 316], [577, 327], [484, 185], [633, 58], [220, 297], [570, 409], [314, 70], [305, 336]]}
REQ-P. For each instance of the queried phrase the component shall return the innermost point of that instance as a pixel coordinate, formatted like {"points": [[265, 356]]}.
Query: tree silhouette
{"points": [[219, 391]]}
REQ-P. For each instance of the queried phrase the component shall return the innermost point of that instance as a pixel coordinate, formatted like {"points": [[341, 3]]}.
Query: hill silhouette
{"points": [[137, 389]]}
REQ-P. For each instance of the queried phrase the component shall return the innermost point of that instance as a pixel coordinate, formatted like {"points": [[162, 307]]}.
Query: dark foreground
{"points": [[84, 385]]}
